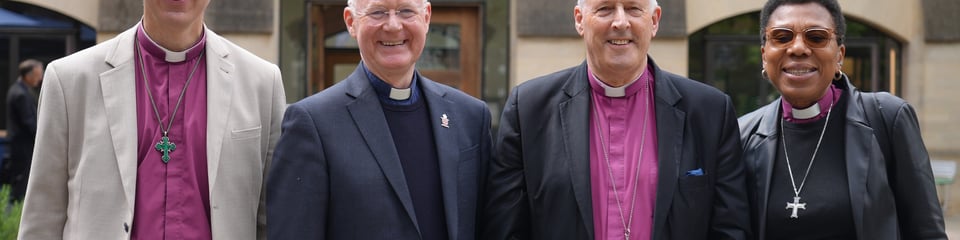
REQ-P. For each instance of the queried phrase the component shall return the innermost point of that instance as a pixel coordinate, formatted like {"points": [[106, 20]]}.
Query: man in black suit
{"points": [[617, 148], [22, 125]]}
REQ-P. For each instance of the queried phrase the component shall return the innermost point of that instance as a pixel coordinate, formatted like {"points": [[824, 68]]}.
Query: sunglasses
{"points": [[812, 37]]}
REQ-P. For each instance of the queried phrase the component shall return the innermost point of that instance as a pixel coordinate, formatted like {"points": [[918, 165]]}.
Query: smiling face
{"points": [[799, 68], [390, 33], [617, 34]]}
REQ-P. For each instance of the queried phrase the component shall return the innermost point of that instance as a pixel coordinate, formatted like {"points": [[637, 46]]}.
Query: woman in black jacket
{"points": [[826, 161]]}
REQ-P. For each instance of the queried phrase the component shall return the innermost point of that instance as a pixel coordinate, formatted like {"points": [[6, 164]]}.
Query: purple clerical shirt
{"points": [[621, 122], [172, 200]]}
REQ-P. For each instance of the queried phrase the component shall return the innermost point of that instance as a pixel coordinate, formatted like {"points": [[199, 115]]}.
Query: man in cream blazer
{"points": [[85, 167]]}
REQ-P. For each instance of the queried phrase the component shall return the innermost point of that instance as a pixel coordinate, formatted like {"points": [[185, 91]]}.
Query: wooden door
{"points": [[452, 54]]}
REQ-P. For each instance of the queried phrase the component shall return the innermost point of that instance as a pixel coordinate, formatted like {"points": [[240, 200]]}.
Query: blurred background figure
{"points": [[21, 126]]}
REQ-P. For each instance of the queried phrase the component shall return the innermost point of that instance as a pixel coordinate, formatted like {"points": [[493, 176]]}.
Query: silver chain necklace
{"points": [[796, 204], [165, 146], [636, 177]]}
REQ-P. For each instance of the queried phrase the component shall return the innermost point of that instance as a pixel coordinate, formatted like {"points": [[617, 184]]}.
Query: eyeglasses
{"points": [[382, 14], [812, 37]]}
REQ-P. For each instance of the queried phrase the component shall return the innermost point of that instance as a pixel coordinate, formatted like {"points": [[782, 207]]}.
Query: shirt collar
{"points": [[602, 89], [816, 111], [394, 96], [169, 56]]}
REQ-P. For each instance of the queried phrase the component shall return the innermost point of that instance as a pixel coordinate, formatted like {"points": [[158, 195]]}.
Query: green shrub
{"points": [[9, 215]]}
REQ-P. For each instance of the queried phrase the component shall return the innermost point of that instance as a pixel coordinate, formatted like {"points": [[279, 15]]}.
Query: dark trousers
{"points": [[15, 170]]}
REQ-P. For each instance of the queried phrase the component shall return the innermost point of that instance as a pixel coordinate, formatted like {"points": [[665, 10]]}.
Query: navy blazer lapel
{"points": [[369, 119], [444, 121], [670, 130], [575, 121], [856, 151]]}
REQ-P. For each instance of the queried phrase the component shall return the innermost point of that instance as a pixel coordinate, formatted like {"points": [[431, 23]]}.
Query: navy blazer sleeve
{"points": [[297, 187]]}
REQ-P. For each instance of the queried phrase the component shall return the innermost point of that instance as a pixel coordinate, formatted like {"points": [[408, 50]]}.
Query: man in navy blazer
{"points": [[616, 148], [386, 153]]}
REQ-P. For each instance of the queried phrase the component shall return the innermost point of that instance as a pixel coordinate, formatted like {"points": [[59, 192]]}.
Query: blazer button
{"points": [[126, 228]]}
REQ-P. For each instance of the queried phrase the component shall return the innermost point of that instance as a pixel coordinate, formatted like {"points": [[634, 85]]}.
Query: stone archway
{"points": [[726, 54]]}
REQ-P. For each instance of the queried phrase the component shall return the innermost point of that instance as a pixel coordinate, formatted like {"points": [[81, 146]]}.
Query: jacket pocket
{"points": [[245, 133], [692, 183]]}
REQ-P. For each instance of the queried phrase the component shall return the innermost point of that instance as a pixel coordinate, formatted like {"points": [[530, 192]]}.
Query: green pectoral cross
{"points": [[165, 146]]}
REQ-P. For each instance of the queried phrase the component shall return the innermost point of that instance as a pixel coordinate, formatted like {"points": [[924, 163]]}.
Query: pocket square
{"points": [[695, 172]]}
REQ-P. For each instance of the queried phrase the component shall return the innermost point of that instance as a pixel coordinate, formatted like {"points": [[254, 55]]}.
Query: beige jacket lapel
{"points": [[219, 101], [119, 98]]}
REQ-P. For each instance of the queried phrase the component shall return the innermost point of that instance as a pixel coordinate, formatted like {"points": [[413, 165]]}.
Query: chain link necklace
{"points": [[796, 204], [164, 146], [627, 222]]}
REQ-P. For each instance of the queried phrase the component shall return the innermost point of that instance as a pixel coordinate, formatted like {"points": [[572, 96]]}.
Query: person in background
{"points": [[22, 126], [826, 161]]}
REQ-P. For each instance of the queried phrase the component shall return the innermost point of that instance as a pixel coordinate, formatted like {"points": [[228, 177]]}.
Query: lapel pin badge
{"points": [[444, 121]]}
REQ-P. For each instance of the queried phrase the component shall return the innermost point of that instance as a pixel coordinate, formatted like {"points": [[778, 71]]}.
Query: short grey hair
{"points": [[352, 3], [27, 66], [653, 3]]}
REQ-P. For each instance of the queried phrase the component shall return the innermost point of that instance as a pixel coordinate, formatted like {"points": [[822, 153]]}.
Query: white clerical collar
{"points": [[614, 91], [400, 94], [171, 56], [807, 113]]}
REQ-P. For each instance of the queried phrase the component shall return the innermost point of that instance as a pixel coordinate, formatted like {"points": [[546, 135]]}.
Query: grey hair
{"points": [[27, 66], [352, 3], [653, 3]]}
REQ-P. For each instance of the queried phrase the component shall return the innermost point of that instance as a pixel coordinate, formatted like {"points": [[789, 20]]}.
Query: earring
{"points": [[836, 76], [763, 73]]}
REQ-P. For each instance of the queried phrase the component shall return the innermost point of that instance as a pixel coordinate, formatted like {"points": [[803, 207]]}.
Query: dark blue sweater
{"points": [[410, 123]]}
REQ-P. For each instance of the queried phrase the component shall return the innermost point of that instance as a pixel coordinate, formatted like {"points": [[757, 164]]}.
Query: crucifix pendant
{"points": [[165, 146], [796, 204]]}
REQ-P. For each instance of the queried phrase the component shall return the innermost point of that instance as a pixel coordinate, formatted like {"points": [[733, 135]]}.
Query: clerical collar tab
{"points": [[172, 56], [807, 113], [600, 87], [612, 91], [169, 56], [400, 94]]}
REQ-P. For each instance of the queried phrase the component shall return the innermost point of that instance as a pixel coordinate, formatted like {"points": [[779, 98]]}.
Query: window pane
{"points": [[442, 51], [341, 40]]}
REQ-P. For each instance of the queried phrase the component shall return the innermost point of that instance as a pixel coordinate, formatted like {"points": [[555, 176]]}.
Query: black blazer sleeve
{"points": [[731, 218], [22, 110], [506, 212], [911, 178]]}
